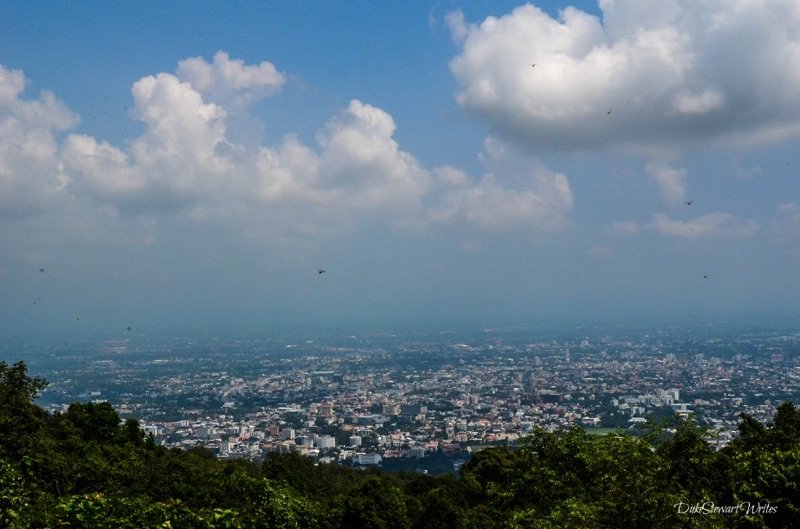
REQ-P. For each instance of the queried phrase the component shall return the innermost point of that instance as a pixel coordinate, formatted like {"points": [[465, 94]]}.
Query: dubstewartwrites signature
{"points": [[709, 507]]}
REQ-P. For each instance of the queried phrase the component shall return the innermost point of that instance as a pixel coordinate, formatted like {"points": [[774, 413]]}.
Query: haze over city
{"points": [[491, 162]]}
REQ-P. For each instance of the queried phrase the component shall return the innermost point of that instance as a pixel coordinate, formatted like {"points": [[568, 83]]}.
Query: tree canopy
{"points": [[87, 468]]}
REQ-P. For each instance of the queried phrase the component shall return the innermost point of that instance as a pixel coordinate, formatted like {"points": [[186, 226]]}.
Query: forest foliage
{"points": [[85, 468]]}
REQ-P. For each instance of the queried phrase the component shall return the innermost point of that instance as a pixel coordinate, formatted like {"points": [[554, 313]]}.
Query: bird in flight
{"points": [[533, 65], [321, 271], [689, 203], [705, 276], [608, 112]]}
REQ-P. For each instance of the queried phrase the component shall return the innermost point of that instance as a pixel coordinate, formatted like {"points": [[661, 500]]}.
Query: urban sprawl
{"points": [[386, 399]]}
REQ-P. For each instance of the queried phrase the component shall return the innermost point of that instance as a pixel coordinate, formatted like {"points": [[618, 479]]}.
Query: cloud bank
{"points": [[187, 164]]}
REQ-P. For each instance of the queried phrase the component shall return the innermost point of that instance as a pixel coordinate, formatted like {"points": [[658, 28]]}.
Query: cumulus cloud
{"points": [[515, 190], [176, 161], [185, 157], [101, 168], [187, 164], [30, 175], [234, 86], [362, 165], [649, 73], [712, 225], [230, 82], [181, 127]]}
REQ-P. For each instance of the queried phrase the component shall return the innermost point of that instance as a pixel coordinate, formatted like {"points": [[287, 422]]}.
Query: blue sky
{"points": [[193, 165]]}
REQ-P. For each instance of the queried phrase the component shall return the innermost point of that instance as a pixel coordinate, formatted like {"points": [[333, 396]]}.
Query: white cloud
{"points": [[100, 167], [672, 73], [362, 165], [451, 176], [230, 82], [45, 112], [185, 158], [288, 172], [712, 225], [181, 127], [175, 162], [185, 169], [457, 25], [694, 103], [357, 166], [671, 182], [491, 206], [30, 175], [515, 191]]}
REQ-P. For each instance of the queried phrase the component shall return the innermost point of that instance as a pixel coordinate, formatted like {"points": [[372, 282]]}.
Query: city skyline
{"points": [[356, 164]]}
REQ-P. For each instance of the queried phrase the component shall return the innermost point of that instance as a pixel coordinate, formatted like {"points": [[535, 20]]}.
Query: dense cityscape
{"points": [[420, 401]]}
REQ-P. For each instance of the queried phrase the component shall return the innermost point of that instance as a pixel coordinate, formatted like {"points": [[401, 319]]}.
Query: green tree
{"points": [[376, 504], [94, 422], [785, 427], [570, 479], [763, 469], [279, 507], [490, 470], [442, 508], [688, 460], [20, 418], [98, 511], [14, 496], [16, 386]]}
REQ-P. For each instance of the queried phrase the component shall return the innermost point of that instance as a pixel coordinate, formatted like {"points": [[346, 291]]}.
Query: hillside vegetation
{"points": [[85, 468]]}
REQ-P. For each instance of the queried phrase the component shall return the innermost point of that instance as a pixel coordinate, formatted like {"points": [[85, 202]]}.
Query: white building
{"points": [[368, 459], [326, 441]]}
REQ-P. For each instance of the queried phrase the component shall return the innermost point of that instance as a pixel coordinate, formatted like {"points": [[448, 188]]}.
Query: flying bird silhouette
{"points": [[321, 271], [689, 203]]}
